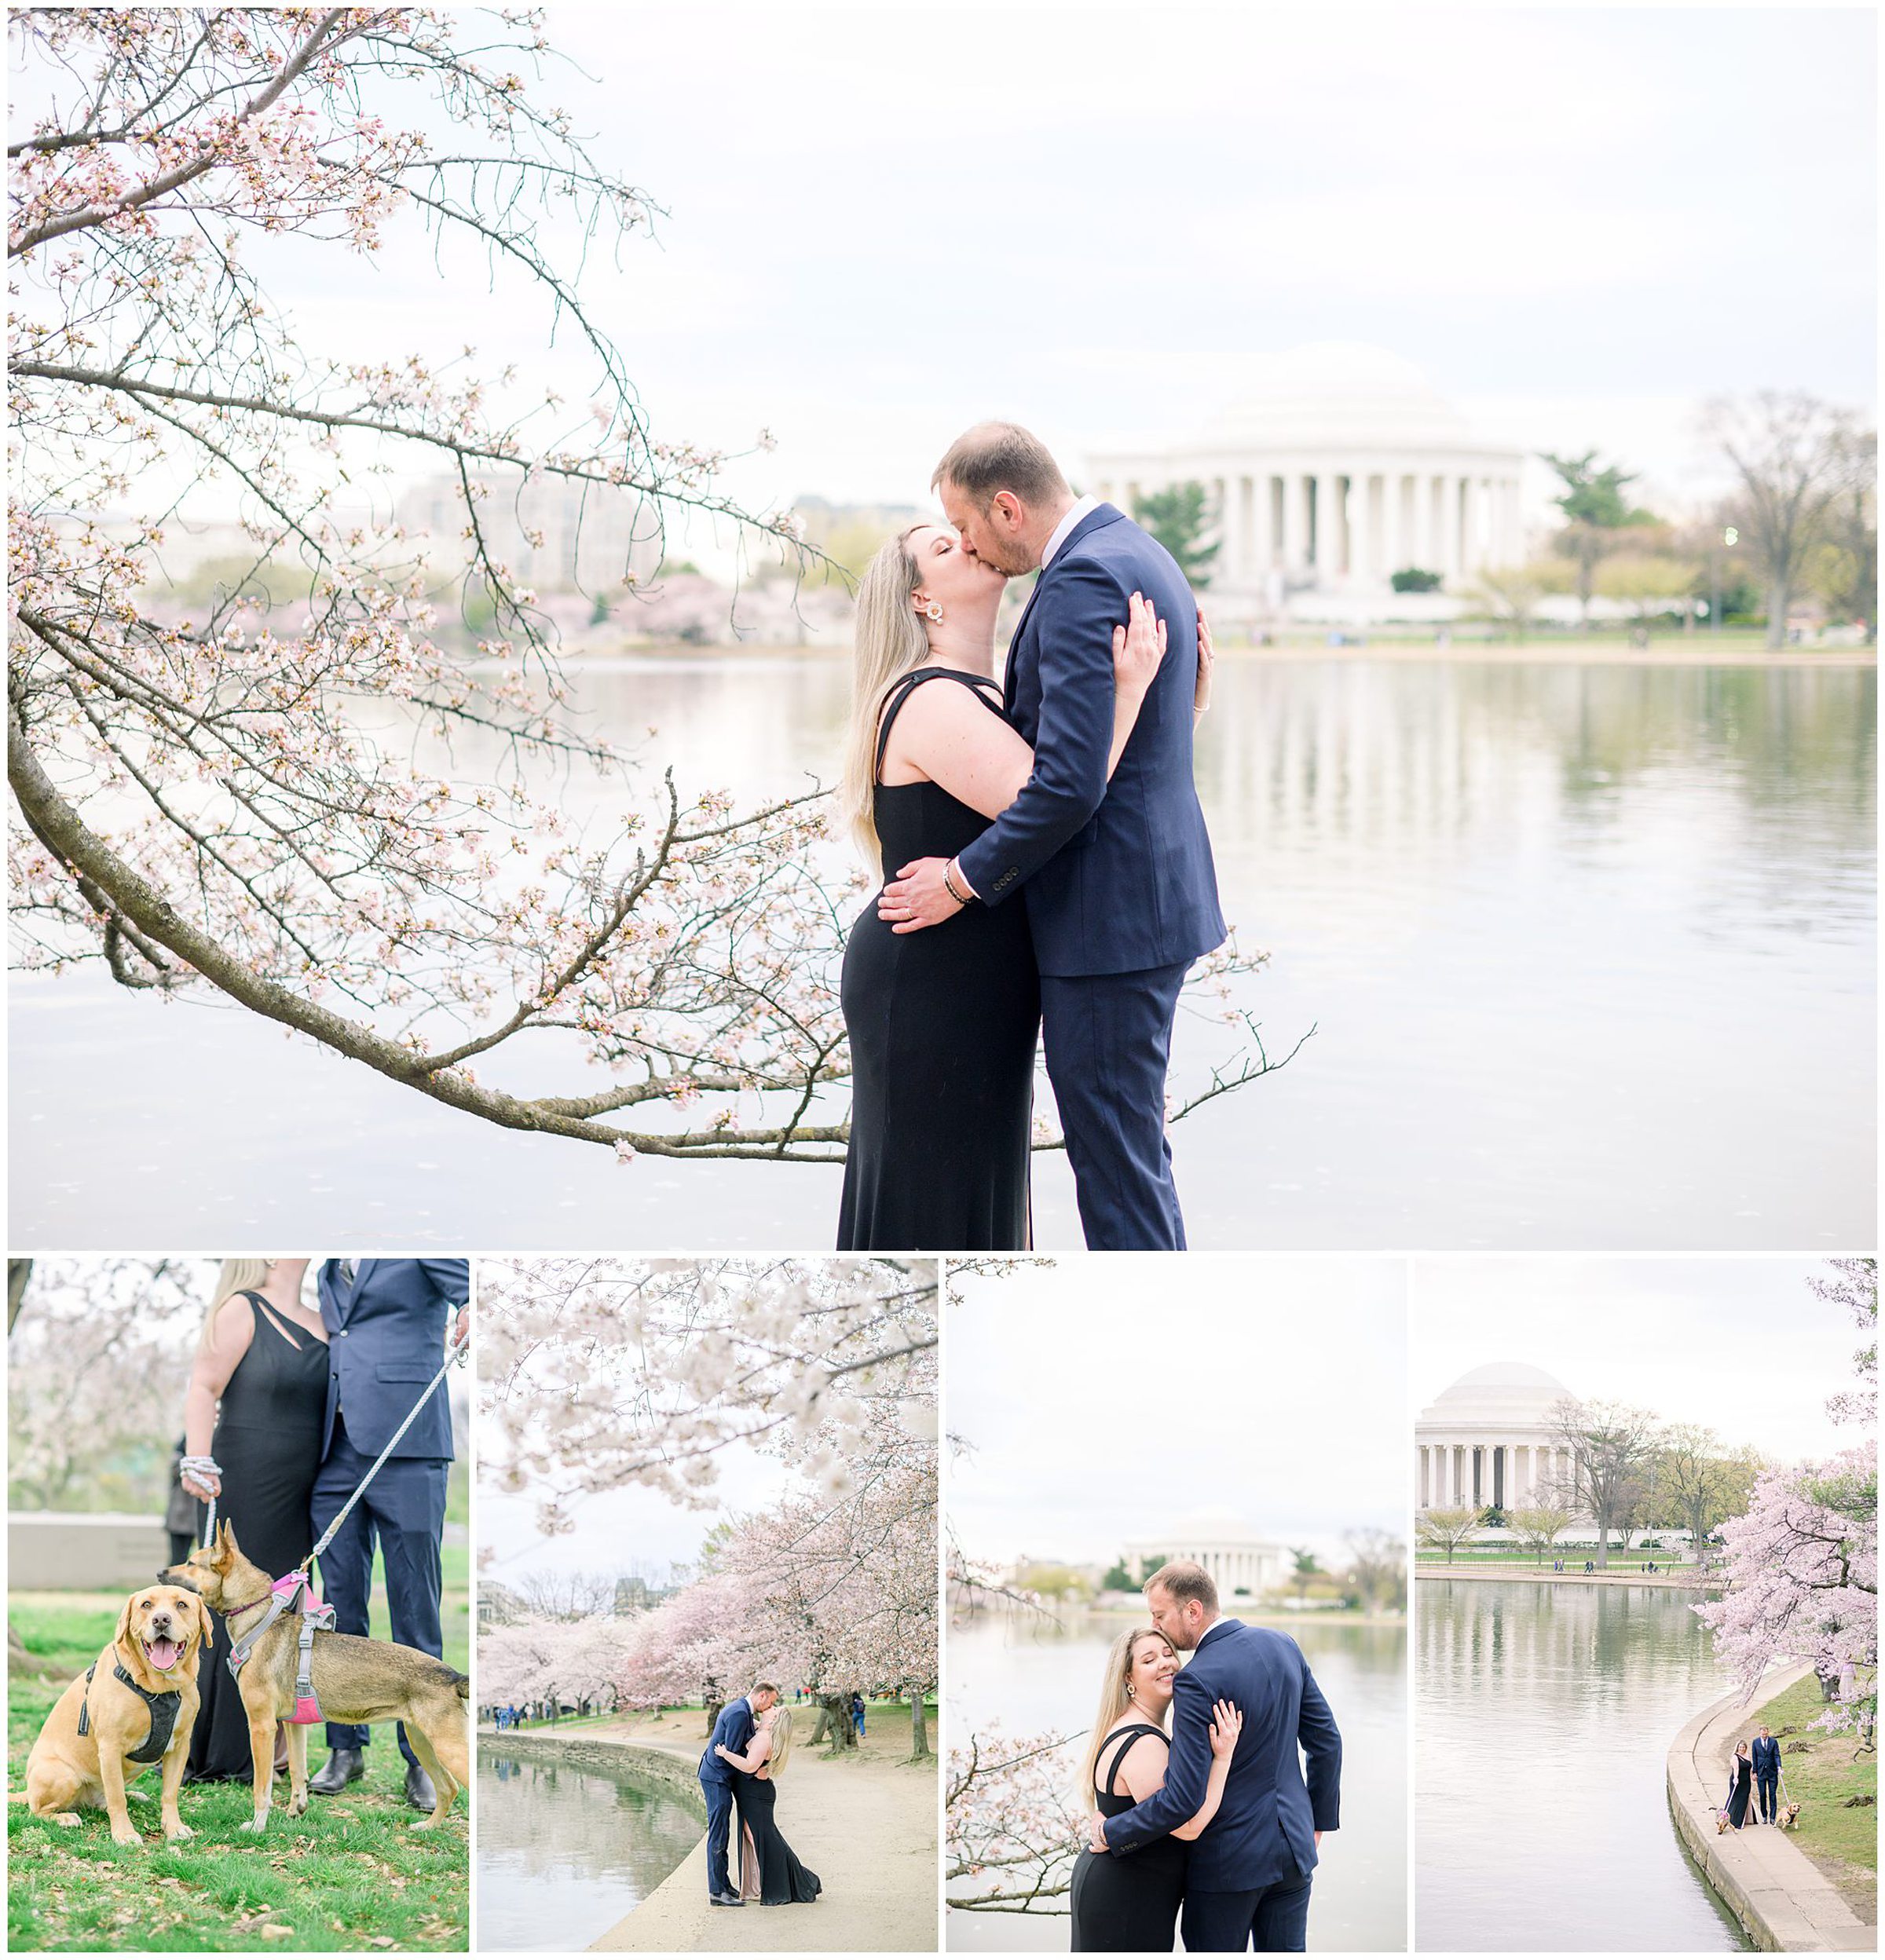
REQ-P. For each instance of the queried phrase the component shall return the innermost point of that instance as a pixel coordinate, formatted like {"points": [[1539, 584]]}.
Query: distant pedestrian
{"points": [[857, 1715]]}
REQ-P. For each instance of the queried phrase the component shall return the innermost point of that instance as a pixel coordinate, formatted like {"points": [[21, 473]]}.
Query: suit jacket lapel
{"points": [[1014, 643], [360, 1279], [1100, 514]]}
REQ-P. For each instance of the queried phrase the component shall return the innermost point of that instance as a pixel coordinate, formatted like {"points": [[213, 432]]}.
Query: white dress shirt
{"points": [[1076, 510]]}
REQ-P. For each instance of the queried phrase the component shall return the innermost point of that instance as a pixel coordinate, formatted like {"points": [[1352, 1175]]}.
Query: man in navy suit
{"points": [[1766, 1753], [387, 1329], [1121, 892], [718, 1779], [1247, 1883]]}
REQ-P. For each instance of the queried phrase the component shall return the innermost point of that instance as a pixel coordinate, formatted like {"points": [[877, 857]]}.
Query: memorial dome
{"points": [[1337, 392], [1504, 1392]]}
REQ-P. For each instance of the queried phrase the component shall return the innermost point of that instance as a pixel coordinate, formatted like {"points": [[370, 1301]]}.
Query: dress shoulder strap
{"points": [[1125, 1739], [264, 1311], [975, 683]]}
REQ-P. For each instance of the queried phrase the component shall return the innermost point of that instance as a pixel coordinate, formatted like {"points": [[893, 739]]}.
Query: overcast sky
{"points": [[619, 1531], [1739, 1344], [885, 221], [1105, 1399]]}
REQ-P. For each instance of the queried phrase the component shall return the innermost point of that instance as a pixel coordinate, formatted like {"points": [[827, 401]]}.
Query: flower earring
{"points": [[933, 610]]}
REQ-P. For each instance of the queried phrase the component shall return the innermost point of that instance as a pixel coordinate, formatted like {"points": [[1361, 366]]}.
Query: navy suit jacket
{"points": [[386, 1337], [1119, 876], [1265, 1830], [734, 1729], [1766, 1756]]}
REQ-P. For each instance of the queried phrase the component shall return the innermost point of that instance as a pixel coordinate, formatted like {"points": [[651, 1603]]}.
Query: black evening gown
{"points": [[267, 1445], [943, 1024], [784, 1881], [1740, 1783], [1128, 1904]]}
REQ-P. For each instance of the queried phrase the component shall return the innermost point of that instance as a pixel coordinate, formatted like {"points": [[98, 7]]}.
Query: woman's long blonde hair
{"points": [[889, 642], [1115, 1697], [779, 1752], [237, 1276]]}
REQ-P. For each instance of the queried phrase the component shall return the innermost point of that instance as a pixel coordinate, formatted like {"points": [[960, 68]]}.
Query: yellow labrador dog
{"points": [[135, 1706]]}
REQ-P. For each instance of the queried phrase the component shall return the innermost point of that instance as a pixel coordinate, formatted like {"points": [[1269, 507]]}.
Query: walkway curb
{"points": [[1786, 1904]]}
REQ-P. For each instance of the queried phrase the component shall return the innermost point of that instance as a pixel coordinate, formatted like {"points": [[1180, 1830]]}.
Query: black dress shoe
{"points": [[725, 1899], [343, 1767], [419, 1792]]}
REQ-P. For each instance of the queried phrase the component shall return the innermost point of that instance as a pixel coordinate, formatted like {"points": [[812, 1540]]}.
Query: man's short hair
{"points": [[765, 1688], [994, 456], [1184, 1580]]}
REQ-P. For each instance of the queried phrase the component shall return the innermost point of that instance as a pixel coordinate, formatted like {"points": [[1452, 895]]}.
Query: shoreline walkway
{"points": [[1616, 1575], [865, 1823], [1782, 1899]]}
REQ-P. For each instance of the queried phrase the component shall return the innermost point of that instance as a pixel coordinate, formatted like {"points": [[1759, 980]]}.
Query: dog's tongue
{"points": [[163, 1654]]}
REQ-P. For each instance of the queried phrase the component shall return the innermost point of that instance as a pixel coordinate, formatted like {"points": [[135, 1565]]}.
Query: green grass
{"points": [[874, 1710], [353, 1871], [1820, 1772], [1573, 1561]]}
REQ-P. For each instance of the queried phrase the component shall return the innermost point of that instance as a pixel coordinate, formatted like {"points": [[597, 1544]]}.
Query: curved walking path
{"points": [[1786, 1903], [866, 1824]]}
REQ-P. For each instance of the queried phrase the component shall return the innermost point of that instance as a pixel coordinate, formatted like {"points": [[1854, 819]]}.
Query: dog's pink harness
{"points": [[296, 1590]]}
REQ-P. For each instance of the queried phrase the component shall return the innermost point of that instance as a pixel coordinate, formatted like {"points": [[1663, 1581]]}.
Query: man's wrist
{"points": [[955, 885]]}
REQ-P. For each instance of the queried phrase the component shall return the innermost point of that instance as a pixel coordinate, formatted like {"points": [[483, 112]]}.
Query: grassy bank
{"points": [[1822, 1772], [352, 1874], [677, 1721]]}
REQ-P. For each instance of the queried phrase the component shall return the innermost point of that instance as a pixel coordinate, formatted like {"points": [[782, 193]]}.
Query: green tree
{"points": [[1447, 1527], [1512, 592], [1118, 1579], [1649, 584], [1595, 510], [1178, 518], [1303, 1569], [1538, 1526]]}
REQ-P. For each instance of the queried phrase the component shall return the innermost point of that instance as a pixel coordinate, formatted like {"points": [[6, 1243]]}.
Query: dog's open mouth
{"points": [[163, 1654]]}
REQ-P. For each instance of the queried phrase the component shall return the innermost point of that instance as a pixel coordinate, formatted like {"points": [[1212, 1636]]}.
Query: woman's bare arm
{"points": [[215, 1362], [1144, 1767], [757, 1750], [940, 735]]}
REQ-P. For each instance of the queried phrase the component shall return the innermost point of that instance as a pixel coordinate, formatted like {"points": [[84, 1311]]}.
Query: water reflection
{"points": [[1031, 1680], [1545, 1715], [1591, 950], [564, 1852]]}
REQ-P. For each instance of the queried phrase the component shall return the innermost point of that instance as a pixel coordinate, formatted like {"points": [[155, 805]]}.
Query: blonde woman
{"points": [[943, 1025], [252, 1419], [770, 1870], [1131, 1905]]}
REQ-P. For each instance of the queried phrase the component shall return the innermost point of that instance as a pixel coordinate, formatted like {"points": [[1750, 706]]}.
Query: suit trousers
{"points": [[1108, 1038], [1271, 1919], [719, 1823], [1767, 1787], [403, 1511]]}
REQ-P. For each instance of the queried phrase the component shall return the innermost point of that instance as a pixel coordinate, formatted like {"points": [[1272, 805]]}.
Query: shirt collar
{"points": [[1076, 510]]}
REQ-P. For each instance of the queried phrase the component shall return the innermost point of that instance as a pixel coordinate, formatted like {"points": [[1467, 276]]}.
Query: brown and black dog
{"points": [[355, 1681], [134, 1706]]}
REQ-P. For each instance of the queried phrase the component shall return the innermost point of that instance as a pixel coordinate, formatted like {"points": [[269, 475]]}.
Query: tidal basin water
{"points": [[1544, 1715], [1589, 950], [564, 1853], [1031, 1680]]}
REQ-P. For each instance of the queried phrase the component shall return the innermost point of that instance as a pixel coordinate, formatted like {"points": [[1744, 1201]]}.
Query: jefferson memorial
{"points": [[1236, 1560], [1340, 465], [1490, 1440]]}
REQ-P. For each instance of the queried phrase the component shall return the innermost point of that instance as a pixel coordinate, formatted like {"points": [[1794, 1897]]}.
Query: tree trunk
{"points": [[1778, 597], [1603, 1545], [919, 1729], [18, 1272]]}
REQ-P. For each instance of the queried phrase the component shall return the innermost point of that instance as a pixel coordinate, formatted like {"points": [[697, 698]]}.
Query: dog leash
{"points": [[456, 1354]]}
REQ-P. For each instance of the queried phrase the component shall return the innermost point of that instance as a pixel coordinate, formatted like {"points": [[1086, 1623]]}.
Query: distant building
{"points": [[553, 535], [1339, 466], [498, 1606], [1238, 1561], [1491, 1439]]}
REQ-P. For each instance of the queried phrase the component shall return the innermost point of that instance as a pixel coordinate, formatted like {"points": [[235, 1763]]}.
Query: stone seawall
{"points": [[646, 1764], [1782, 1899]]}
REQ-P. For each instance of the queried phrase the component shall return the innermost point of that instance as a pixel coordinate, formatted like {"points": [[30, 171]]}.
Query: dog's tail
{"points": [[463, 1686]]}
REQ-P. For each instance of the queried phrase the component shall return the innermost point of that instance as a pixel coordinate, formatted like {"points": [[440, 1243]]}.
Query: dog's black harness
{"points": [[164, 1709]]}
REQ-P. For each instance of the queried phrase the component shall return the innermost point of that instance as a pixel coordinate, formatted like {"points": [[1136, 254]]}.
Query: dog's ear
{"points": [[124, 1622], [199, 1619]]}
